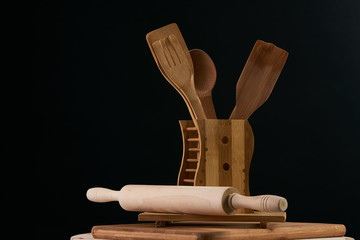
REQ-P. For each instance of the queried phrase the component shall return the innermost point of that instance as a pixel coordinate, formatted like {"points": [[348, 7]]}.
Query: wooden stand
{"points": [[165, 219]]}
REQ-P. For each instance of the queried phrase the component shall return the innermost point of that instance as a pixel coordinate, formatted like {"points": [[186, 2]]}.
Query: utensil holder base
{"points": [[164, 219]]}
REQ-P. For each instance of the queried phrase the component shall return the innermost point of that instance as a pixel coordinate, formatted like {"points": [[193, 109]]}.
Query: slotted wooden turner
{"points": [[174, 61], [258, 78]]}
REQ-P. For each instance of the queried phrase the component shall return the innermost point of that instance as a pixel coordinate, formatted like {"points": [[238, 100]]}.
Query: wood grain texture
{"points": [[258, 78], [225, 231]]}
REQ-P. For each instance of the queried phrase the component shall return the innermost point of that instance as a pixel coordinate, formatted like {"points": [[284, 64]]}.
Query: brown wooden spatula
{"points": [[258, 78], [174, 61]]}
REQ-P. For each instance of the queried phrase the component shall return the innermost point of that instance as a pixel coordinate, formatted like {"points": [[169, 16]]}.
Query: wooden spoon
{"points": [[204, 80], [258, 78]]}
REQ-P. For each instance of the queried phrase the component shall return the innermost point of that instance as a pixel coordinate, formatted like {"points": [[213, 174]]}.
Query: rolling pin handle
{"points": [[100, 195], [264, 203]]}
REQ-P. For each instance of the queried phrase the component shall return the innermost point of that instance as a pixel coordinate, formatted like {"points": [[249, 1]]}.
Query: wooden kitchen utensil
{"points": [[176, 66], [186, 199], [204, 79], [174, 61], [258, 78], [162, 33]]}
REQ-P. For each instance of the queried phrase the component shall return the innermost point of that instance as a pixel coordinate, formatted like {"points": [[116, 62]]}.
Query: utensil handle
{"points": [[235, 113], [208, 106], [264, 203], [194, 102], [99, 194]]}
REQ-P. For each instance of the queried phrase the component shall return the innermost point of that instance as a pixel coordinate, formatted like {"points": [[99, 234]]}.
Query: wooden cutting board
{"points": [[218, 230]]}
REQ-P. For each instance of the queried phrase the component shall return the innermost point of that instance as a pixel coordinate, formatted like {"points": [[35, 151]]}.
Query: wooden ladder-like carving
{"points": [[192, 151]]}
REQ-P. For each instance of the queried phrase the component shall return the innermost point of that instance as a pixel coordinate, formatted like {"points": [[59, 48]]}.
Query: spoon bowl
{"points": [[204, 80]]}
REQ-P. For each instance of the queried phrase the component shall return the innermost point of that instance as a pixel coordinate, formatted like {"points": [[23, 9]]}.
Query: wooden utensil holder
{"points": [[217, 153]]}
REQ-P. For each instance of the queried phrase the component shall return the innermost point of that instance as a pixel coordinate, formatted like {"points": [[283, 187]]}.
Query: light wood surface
{"points": [[204, 79], [221, 231], [186, 199], [258, 78]]}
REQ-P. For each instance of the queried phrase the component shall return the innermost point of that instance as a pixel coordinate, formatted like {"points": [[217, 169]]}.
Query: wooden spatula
{"points": [[258, 78], [179, 70], [172, 50]]}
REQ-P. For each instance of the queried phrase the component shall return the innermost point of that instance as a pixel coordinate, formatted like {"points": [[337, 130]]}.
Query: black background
{"points": [[105, 116]]}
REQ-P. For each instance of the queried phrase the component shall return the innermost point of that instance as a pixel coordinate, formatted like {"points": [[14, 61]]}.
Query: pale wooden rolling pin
{"points": [[186, 199]]}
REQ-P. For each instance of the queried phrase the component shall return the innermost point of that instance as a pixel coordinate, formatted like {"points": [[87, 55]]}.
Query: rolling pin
{"points": [[186, 199]]}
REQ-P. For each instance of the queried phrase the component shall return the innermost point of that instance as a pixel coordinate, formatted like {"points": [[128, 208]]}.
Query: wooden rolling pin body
{"points": [[185, 199]]}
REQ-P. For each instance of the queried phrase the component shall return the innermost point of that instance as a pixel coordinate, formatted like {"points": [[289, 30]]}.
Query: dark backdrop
{"points": [[105, 116]]}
